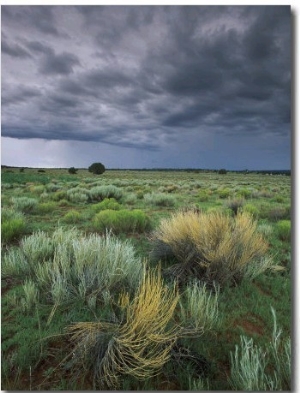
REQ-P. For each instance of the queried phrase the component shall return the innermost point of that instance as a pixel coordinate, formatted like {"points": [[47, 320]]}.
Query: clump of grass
{"points": [[139, 345], [255, 368], [224, 193], [130, 199], [106, 204], [252, 209], [198, 309], [12, 224], [283, 228], [59, 195], [78, 195], [99, 193], [37, 189], [212, 247], [72, 216], [46, 207], [203, 195], [160, 199], [121, 221], [235, 204], [24, 204]]}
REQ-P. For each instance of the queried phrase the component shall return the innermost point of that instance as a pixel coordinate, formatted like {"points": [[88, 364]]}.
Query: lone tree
{"points": [[72, 170], [97, 168], [222, 171]]}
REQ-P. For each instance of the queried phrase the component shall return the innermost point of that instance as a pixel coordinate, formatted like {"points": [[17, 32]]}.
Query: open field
{"points": [[106, 284]]}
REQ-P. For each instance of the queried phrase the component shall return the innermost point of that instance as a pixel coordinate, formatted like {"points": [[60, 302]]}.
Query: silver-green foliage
{"points": [[99, 193], [160, 199], [66, 265], [198, 309], [250, 364], [24, 204], [77, 195]]}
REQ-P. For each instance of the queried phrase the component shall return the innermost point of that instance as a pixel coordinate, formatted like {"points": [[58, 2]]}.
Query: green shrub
{"points": [[224, 193], [78, 195], [39, 189], [252, 209], [12, 225], [101, 192], [72, 217], [121, 221], [52, 187], [283, 228], [46, 207], [96, 168], [106, 204], [130, 199], [160, 199], [203, 196], [24, 204], [59, 195], [244, 193]]}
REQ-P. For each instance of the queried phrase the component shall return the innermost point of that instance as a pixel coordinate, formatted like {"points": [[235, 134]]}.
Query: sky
{"points": [[146, 86]]}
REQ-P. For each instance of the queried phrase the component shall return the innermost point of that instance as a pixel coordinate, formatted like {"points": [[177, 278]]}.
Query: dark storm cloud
{"points": [[62, 63], [145, 75], [13, 50]]}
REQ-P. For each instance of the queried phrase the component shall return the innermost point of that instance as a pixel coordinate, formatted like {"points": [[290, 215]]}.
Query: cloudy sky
{"points": [[146, 86]]}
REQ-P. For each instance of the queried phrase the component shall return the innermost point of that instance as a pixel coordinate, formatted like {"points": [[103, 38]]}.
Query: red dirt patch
{"points": [[251, 324]]}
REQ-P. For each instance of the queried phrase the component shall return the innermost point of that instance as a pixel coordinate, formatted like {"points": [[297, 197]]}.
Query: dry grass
{"points": [[212, 246], [140, 345]]}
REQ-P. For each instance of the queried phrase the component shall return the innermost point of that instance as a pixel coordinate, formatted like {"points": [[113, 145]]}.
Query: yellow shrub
{"points": [[212, 245]]}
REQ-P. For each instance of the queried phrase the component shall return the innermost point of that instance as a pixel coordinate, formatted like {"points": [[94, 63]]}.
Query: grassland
{"points": [[80, 264]]}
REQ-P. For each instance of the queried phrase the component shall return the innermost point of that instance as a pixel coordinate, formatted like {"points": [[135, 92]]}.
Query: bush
{"points": [[72, 217], [101, 192], [203, 196], [97, 168], [46, 207], [78, 195], [224, 193], [213, 247], [222, 171], [235, 204], [244, 193], [251, 209], [66, 266], [106, 204], [160, 199], [12, 225], [283, 228], [72, 170], [24, 204], [121, 221], [59, 195]]}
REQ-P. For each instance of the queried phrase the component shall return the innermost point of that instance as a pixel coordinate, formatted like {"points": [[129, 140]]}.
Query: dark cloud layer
{"points": [[144, 76]]}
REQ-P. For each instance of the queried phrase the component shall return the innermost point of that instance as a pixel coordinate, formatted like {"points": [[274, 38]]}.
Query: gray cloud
{"points": [[142, 76]]}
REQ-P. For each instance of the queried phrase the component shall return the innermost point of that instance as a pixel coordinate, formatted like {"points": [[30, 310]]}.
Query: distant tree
{"points": [[222, 171], [22, 169], [72, 170], [97, 168]]}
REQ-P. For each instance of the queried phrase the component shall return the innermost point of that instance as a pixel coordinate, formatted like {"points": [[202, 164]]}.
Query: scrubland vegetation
{"points": [[140, 280]]}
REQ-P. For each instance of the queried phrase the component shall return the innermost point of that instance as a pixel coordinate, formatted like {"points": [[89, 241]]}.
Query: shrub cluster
{"points": [[121, 221], [12, 224], [66, 266], [212, 247]]}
